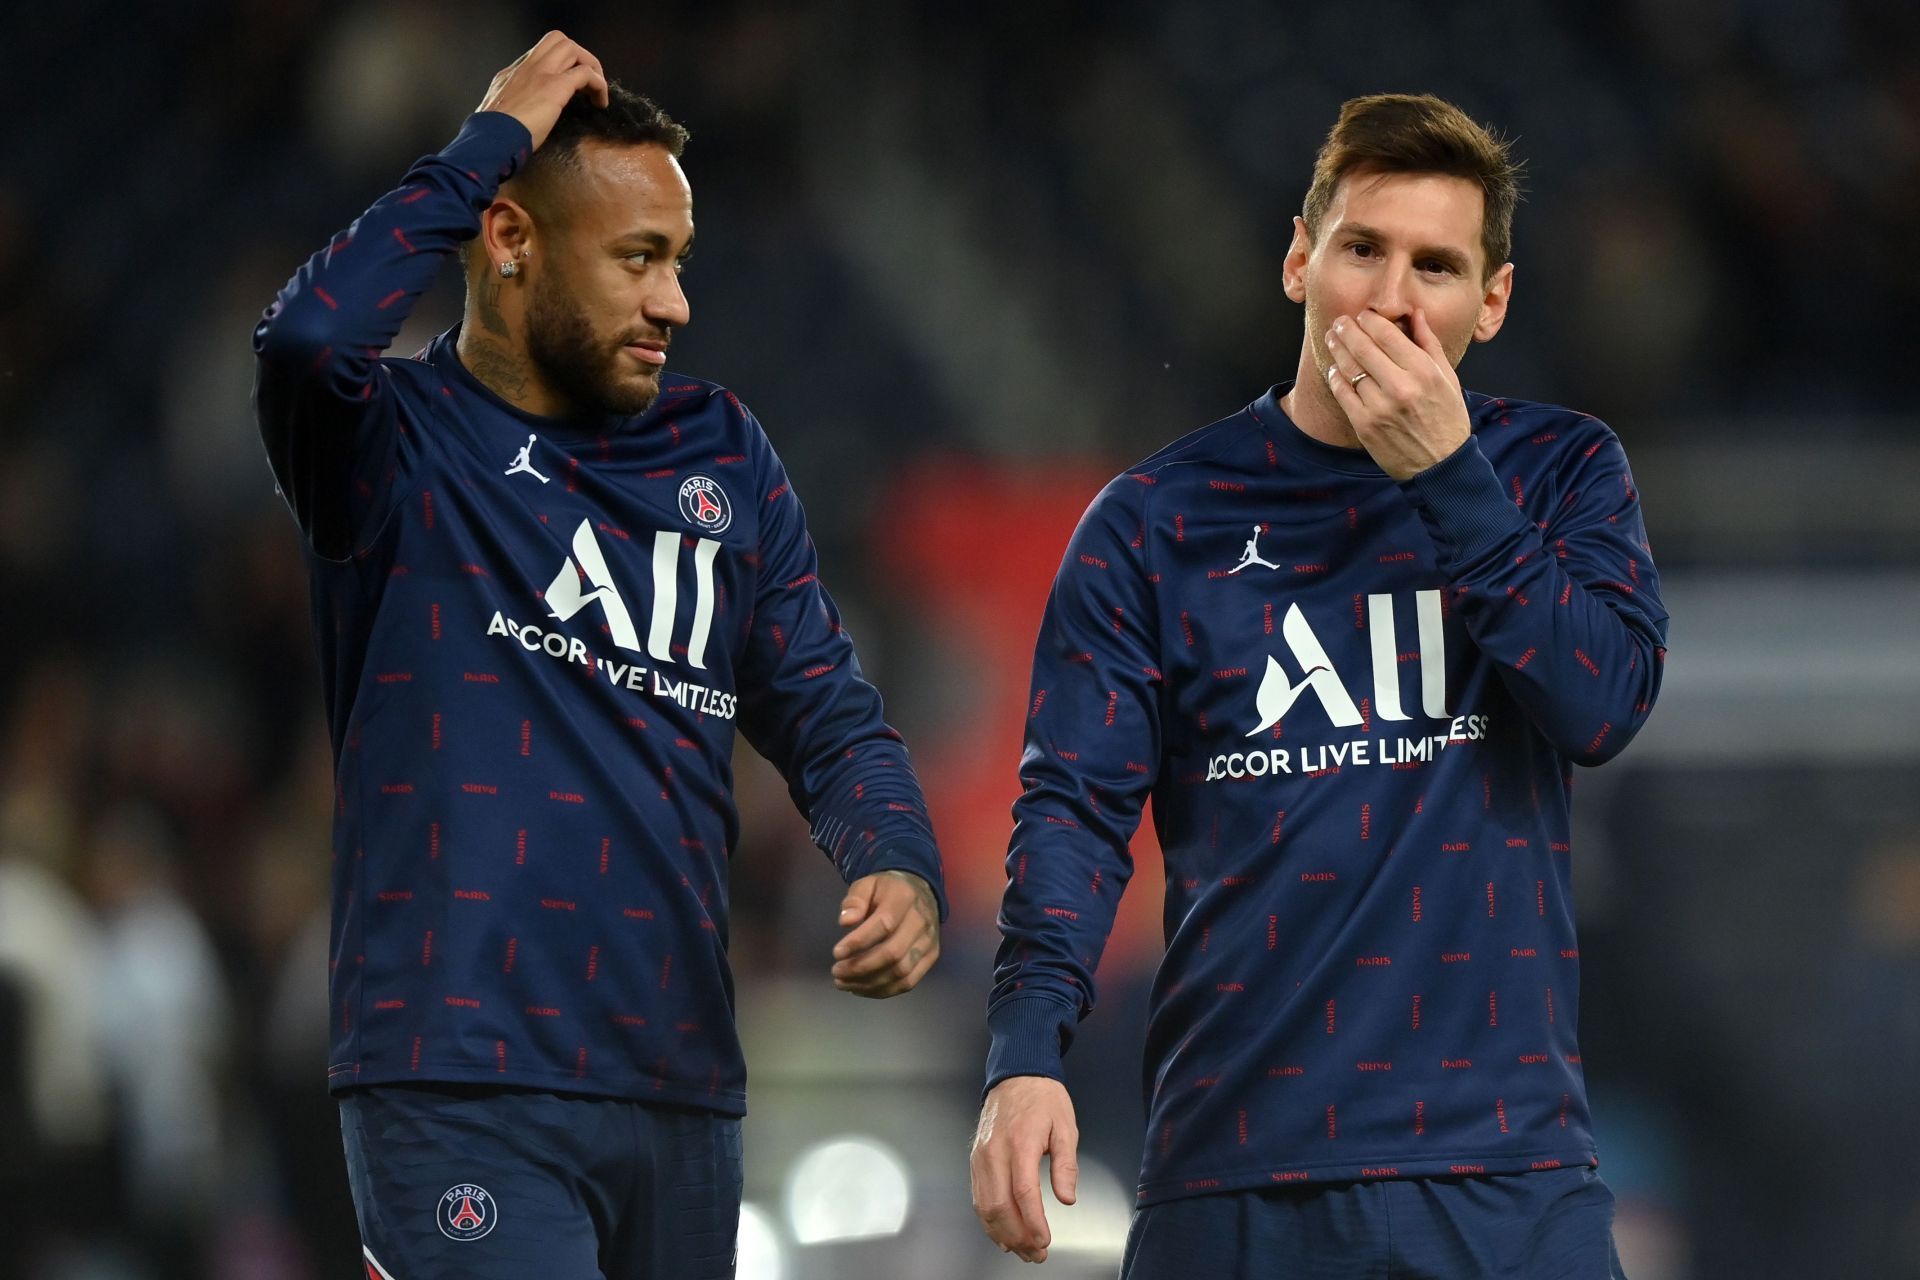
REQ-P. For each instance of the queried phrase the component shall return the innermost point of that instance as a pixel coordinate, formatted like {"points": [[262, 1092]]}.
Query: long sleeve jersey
{"points": [[1355, 704], [537, 637]]}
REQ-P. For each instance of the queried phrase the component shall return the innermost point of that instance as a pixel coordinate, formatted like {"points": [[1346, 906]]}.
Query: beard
{"points": [[585, 368]]}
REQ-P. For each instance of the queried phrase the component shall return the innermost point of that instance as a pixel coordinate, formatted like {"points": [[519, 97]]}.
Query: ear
{"points": [[1293, 272], [1493, 304], [506, 228]]}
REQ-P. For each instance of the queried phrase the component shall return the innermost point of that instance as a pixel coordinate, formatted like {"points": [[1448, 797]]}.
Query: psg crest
{"points": [[704, 502], [467, 1212]]}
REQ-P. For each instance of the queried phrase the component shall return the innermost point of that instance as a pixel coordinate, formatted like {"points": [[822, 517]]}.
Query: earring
{"points": [[507, 269]]}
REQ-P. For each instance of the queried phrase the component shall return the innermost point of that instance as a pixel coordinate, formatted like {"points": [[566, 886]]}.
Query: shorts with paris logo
{"points": [[486, 1183]]}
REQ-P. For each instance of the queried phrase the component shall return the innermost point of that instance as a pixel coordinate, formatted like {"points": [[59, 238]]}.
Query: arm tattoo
{"points": [[924, 903]]}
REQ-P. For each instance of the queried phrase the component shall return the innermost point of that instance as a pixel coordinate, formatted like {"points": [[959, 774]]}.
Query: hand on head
{"points": [[536, 87]]}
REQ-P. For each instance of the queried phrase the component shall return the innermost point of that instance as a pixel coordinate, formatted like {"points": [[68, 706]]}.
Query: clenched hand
{"points": [[894, 937]]}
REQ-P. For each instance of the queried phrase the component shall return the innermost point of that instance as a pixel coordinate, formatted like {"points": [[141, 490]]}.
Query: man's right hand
{"points": [[1023, 1118], [536, 87]]}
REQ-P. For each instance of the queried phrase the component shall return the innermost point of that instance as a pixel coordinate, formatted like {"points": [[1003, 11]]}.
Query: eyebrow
{"points": [[1452, 257], [653, 240]]}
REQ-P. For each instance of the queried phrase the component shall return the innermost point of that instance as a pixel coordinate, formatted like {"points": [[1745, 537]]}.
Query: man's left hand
{"points": [[1407, 410], [895, 935]]}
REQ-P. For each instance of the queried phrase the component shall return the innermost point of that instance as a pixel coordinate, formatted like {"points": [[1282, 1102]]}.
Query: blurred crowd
{"points": [[964, 261]]}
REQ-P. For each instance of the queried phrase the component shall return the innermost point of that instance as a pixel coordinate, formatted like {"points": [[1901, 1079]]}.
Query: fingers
{"points": [[1436, 350], [881, 908], [894, 966], [559, 56], [1391, 339], [894, 936], [589, 74], [1341, 373], [993, 1196], [593, 80], [537, 86], [1037, 1235], [1022, 1119], [1428, 340], [855, 908], [555, 51], [918, 963], [1355, 351]]}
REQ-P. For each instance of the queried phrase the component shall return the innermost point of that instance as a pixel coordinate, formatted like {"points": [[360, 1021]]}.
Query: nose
{"points": [[1393, 295], [666, 304]]}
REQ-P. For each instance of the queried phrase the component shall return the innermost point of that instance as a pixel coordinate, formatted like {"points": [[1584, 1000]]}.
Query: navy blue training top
{"points": [[1355, 704], [537, 638]]}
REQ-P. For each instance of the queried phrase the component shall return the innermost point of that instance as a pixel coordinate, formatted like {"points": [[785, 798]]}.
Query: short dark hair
{"points": [[629, 119], [1419, 133]]}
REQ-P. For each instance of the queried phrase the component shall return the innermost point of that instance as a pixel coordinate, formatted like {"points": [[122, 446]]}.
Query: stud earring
{"points": [[507, 269]]}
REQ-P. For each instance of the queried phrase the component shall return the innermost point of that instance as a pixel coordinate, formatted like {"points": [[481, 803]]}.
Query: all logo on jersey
{"points": [[1278, 692], [566, 596], [467, 1212], [705, 504]]}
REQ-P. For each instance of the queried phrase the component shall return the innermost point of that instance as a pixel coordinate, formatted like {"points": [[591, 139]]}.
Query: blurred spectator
{"points": [[164, 1026], [54, 1106]]}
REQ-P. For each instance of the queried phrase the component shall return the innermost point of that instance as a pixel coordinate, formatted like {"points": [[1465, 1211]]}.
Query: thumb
{"points": [[1066, 1168], [858, 902]]}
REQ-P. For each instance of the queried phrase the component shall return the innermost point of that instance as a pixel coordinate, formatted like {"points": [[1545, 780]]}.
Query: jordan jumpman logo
{"points": [[523, 461], [1251, 554]]}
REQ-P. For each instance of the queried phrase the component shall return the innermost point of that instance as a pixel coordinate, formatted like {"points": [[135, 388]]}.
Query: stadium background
{"points": [[966, 261]]}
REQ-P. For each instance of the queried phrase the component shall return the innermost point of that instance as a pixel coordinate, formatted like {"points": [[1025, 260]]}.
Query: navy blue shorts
{"points": [[1553, 1225], [497, 1184]]}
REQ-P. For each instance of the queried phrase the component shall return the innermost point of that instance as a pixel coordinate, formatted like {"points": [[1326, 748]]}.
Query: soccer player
{"points": [[549, 578], [1358, 732]]}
